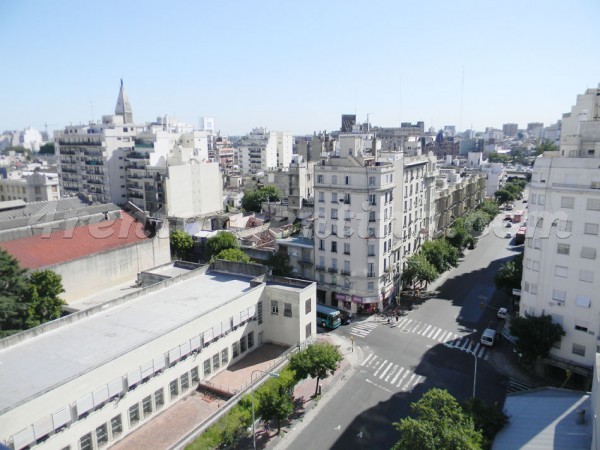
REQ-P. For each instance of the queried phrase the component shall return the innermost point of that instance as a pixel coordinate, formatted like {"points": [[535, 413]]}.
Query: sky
{"points": [[297, 66]]}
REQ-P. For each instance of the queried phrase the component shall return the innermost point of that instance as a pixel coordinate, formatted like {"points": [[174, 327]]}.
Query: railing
{"points": [[346, 273], [575, 186], [320, 268], [332, 270]]}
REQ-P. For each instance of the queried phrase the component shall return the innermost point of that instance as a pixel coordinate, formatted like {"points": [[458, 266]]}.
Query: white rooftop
{"points": [[51, 359]]}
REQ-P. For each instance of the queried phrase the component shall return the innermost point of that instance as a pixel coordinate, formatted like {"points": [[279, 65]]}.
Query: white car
{"points": [[502, 313], [508, 236]]}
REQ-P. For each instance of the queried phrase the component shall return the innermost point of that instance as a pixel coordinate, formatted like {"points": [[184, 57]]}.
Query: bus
{"points": [[328, 317]]}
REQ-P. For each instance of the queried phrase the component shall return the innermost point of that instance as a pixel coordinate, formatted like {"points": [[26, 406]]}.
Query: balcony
{"points": [[332, 270], [305, 262], [346, 273], [320, 268]]}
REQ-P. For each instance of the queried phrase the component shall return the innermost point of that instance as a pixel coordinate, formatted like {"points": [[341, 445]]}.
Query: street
{"points": [[433, 346]]}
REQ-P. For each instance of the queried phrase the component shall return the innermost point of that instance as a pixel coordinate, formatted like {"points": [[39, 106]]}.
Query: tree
{"points": [[280, 263], [417, 268], [222, 241], [233, 254], [439, 423], [47, 149], [13, 288], [253, 199], [490, 208], [535, 335], [509, 275], [457, 235], [276, 401], [486, 418], [317, 361], [545, 146], [181, 244], [43, 301], [495, 157], [504, 196], [441, 254]]}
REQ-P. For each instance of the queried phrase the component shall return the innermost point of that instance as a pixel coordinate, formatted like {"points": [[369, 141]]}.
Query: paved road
{"points": [[426, 349]]}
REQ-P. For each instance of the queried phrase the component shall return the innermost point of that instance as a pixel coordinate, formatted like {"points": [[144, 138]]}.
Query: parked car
{"points": [[508, 217], [508, 235], [502, 313], [508, 225]]}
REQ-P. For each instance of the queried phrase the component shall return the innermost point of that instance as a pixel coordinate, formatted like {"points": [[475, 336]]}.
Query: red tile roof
{"points": [[66, 245]]}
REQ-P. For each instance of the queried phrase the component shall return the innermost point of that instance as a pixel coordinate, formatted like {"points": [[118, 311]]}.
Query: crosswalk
{"points": [[448, 338], [363, 329], [515, 385], [388, 375]]}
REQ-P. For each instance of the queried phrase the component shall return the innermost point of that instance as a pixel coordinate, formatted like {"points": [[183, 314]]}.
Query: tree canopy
{"points": [[495, 157], [47, 149], [438, 423], [44, 302], [253, 199], [509, 274], [181, 244], [222, 241], [233, 254], [276, 400], [418, 269], [535, 335], [317, 361], [504, 196], [441, 254], [280, 263], [545, 146], [13, 289]]}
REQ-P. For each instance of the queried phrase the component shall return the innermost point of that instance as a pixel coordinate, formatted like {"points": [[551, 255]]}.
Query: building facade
{"points": [[30, 187], [262, 150]]}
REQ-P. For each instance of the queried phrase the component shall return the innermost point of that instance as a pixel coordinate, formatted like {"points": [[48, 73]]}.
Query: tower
{"points": [[123, 107]]}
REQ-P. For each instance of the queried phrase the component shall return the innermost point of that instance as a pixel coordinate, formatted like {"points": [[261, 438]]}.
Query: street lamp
{"points": [[272, 375], [471, 352]]}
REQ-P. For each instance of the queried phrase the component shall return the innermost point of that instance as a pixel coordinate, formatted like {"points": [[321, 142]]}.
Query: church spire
{"points": [[123, 107]]}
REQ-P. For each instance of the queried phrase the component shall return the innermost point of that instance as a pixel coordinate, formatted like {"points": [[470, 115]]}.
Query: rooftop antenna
{"points": [[462, 91]]}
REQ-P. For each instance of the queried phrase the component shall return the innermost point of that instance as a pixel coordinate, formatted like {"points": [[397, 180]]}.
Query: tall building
{"points": [[262, 150], [560, 273], [510, 129]]}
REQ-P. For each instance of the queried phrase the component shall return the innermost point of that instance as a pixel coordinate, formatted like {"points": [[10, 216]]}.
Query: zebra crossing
{"points": [[515, 385], [363, 329], [448, 338], [386, 374]]}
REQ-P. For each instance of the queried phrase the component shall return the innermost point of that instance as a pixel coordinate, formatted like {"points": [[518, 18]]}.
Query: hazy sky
{"points": [[298, 65]]}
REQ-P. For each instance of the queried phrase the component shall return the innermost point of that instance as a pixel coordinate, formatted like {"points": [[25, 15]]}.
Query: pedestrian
{"points": [[389, 320], [396, 319]]}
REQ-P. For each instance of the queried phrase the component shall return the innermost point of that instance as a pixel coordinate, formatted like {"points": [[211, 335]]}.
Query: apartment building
{"points": [[295, 182], [560, 273], [262, 150], [30, 186]]}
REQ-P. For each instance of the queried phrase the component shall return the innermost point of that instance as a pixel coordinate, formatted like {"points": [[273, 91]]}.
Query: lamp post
{"points": [[272, 375], [475, 371]]}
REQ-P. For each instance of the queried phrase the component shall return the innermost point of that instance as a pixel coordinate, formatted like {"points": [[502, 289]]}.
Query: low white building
{"points": [[30, 187], [89, 379]]}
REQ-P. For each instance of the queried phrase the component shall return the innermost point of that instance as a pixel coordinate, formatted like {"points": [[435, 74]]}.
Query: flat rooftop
{"points": [[39, 364]]}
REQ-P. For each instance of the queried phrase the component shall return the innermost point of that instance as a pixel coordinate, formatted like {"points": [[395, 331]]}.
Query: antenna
{"points": [[462, 91], [92, 107]]}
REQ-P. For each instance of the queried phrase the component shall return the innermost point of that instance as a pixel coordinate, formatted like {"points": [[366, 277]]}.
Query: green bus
{"points": [[328, 317]]}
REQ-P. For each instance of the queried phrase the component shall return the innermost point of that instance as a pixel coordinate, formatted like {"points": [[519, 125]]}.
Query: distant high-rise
{"points": [[510, 129], [348, 121]]}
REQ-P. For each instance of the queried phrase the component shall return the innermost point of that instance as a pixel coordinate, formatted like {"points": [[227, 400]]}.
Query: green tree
{"points": [[495, 157], [504, 196], [222, 241], [441, 254], [181, 244], [458, 235], [13, 288], [233, 254], [509, 275], [276, 401], [487, 418], [253, 199], [43, 298], [418, 269], [280, 263], [490, 208], [545, 146], [439, 423], [535, 335], [317, 361], [47, 149]]}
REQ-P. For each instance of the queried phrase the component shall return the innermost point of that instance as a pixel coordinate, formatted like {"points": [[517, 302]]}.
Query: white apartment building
{"points": [[30, 187], [561, 275], [296, 183], [495, 177], [90, 379], [262, 150]]}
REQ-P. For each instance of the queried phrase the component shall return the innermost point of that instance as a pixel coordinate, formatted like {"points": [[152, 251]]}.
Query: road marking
{"points": [[367, 359], [426, 330], [397, 375], [386, 370], [403, 377], [338, 428], [377, 385], [371, 362], [379, 368], [481, 352], [436, 334], [410, 380], [392, 372]]}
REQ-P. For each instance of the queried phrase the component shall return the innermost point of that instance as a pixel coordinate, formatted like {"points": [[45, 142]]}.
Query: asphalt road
{"points": [[425, 349]]}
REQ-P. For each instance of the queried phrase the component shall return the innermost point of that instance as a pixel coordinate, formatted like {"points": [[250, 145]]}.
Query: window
{"points": [[567, 202], [116, 426], [319, 178], [134, 414], [334, 246], [578, 349], [593, 204], [307, 305], [102, 435], [583, 302], [174, 388], [334, 197], [371, 250], [259, 312], [274, 307], [370, 286], [251, 339], [346, 248], [565, 225], [216, 362], [347, 199], [321, 244], [371, 181], [322, 213], [308, 330], [195, 375], [591, 228], [542, 199], [185, 382], [235, 350], [321, 197], [372, 200], [347, 180], [224, 356], [334, 230], [537, 244], [334, 213], [563, 249], [533, 289], [371, 216], [334, 179], [370, 269], [85, 443], [588, 252], [561, 271], [147, 406], [287, 312], [206, 365], [536, 266], [243, 344], [586, 275], [559, 296]]}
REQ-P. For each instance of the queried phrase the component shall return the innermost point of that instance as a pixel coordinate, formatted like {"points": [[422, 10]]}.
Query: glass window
{"points": [[259, 312], [224, 356], [591, 228], [134, 414], [287, 309], [593, 204], [173, 389], [85, 443], [234, 350], [563, 249], [159, 398], [251, 339], [102, 435], [578, 349], [195, 375], [588, 252], [274, 307], [147, 406], [216, 362], [561, 271], [334, 213], [307, 306], [586, 275], [567, 202], [116, 426], [346, 248], [334, 246], [185, 381], [206, 366], [243, 344]]}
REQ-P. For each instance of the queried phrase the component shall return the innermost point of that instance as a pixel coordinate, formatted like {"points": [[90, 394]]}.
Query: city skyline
{"points": [[297, 67]]}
